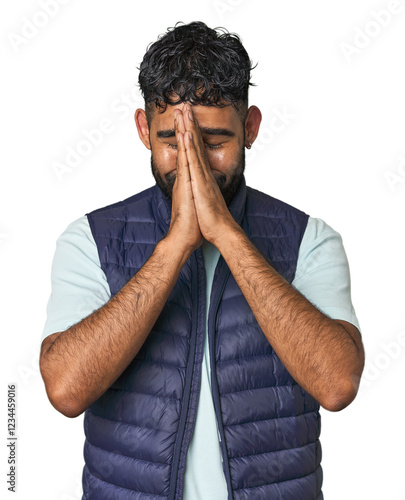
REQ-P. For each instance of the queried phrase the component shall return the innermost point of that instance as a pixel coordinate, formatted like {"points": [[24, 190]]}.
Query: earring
{"points": [[248, 146]]}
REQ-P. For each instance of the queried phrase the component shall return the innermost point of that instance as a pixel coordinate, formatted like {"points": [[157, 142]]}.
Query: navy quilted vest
{"points": [[139, 431]]}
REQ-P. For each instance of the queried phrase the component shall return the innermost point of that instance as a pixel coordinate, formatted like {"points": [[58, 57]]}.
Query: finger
{"points": [[181, 151], [178, 131], [182, 170], [182, 162], [191, 125], [181, 131], [180, 121], [197, 171]]}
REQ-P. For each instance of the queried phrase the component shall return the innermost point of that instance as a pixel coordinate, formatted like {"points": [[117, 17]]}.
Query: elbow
{"points": [[337, 402], [344, 389], [342, 395], [63, 404], [59, 396]]}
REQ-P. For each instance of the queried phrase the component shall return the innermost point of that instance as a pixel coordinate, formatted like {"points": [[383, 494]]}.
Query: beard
{"points": [[228, 189]]}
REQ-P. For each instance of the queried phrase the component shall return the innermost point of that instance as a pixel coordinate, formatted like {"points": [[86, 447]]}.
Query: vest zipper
{"points": [[214, 379], [188, 382]]}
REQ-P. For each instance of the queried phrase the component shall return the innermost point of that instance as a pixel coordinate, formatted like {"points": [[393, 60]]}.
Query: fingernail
{"points": [[190, 115], [190, 135]]}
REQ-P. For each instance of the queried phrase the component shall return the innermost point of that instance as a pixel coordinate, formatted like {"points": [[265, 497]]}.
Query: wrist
{"points": [[227, 236], [178, 253]]}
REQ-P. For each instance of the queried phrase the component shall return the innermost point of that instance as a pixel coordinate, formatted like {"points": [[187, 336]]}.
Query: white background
{"points": [[337, 158]]}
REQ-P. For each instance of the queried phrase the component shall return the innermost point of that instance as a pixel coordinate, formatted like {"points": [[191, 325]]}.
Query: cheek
{"points": [[223, 158], [218, 157], [165, 158]]}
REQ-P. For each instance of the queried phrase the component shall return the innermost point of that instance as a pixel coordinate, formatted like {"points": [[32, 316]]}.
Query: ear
{"points": [[142, 126], [252, 124]]}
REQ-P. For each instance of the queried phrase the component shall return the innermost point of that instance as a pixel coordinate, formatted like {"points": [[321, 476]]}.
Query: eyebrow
{"points": [[205, 130]]}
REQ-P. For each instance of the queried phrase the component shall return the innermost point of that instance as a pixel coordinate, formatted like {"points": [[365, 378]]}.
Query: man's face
{"points": [[223, 136]]}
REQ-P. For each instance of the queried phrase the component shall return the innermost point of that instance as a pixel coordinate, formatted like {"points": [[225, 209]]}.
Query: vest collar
{"points": [[162, 207]]}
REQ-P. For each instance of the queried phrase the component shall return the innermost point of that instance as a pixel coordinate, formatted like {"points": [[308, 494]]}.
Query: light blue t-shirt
{"points": [[79, 287]]}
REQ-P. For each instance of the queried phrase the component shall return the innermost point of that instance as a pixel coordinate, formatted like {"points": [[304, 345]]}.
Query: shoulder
{"points": [[76, 242], [321, 247], [260, 204], [78, 229], [318, 228], [117, 208], [283, 219], [271, 204], [111, 221], [320, 237]]}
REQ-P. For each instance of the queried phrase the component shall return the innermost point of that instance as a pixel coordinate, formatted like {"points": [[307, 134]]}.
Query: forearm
{"points": [[83, 361], [316, 350]]}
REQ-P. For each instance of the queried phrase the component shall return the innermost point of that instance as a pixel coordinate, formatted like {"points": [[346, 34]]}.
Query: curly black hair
{"points": [[196, 64]]}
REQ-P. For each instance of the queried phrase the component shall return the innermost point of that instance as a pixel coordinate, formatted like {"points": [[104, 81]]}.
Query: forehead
{"points": [[207, 116]]}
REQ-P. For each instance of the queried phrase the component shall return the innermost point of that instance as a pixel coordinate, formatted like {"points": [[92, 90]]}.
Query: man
{"points": [[200, 323]]}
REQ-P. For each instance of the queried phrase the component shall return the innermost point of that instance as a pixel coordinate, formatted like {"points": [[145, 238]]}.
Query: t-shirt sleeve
{"points": [[323, 274], [79, 285]]}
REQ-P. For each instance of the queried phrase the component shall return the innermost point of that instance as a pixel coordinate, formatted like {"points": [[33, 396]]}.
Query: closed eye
{"points": [[210, 146]]}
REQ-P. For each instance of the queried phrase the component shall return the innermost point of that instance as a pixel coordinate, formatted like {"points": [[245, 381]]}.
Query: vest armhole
{"points": [[93, 233], [303, 228]]}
